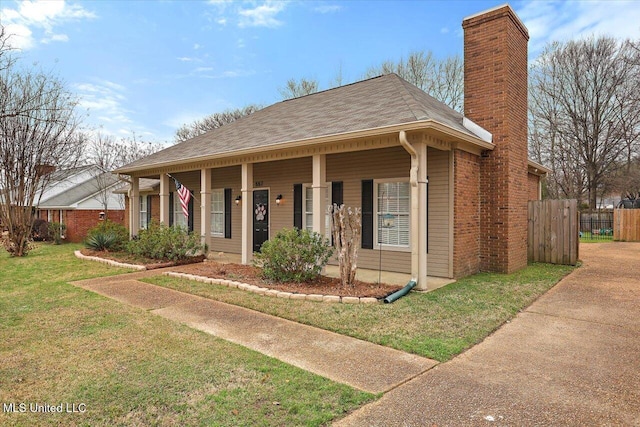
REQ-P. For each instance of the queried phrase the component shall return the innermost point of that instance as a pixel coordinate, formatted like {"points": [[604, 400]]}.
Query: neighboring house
{"points": [[80, 198], [442, 194]]}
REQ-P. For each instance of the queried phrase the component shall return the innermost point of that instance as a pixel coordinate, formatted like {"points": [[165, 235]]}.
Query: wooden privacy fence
{"points": [[626, 225], [553, 231]]}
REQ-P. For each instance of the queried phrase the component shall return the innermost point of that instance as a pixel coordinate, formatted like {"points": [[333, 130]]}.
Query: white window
{"points": [[143, 213], [178, 217], [217, 213], [392, 208], [307, 208]]}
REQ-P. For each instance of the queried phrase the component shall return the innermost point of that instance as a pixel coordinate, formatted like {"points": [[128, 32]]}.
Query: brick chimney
{"points": [[495, 97]]}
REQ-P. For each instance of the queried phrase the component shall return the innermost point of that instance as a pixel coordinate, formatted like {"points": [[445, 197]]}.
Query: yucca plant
{"points": [[101, 241]]}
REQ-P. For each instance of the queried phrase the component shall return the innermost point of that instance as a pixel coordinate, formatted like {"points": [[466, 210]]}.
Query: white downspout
{"points": [[413, 172], [415, 218]]}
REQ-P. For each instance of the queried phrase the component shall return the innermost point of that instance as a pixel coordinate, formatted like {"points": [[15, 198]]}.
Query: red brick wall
{"points": [[533, 183], [78, 222], [466, 214], [495, 81]]}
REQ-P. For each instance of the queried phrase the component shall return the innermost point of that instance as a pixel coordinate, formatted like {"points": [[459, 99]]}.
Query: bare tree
{"points": [[296, 89], [214, 121], [584, 113], [442, 79], [38, 132], [109, 153], [346, 228]]}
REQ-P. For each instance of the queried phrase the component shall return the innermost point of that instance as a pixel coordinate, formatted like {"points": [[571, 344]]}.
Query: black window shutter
{"points": [[227, 213], [336, 199], [148, 211], [297, 206], [336, 193], [190, 219], [171, 209], [367, 214]]}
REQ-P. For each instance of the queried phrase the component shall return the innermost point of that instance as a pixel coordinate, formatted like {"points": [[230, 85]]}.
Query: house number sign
{"points": [[257, 184]]}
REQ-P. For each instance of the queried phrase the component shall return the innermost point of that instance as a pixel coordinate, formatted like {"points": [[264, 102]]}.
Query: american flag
{"points": [[185, 196]]}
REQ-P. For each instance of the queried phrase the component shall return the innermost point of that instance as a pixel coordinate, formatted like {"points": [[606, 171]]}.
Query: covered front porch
{"points": [[402, 181]]}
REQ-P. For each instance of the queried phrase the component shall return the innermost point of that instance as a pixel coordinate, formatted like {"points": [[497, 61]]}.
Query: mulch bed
{"points": [[251, 275], [322, 285]]}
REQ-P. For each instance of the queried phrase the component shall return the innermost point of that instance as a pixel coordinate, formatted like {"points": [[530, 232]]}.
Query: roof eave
{"points": [[471, 141], [537, 168]]}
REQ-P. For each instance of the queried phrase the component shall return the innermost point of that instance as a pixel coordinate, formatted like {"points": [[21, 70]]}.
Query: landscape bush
{"points": [[293, 255], [40, 230], [56, 232], [107, 235], [166, 243]]}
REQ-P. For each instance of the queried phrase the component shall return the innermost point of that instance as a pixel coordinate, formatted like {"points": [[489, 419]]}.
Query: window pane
{"points": [[393, 213], [217, 212]]}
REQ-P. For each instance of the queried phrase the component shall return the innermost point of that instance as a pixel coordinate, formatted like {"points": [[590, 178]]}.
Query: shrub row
{"points": [[156, 242]]}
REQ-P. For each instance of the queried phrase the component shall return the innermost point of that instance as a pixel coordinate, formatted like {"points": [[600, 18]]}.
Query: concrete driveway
{"points": [[570, 359]]}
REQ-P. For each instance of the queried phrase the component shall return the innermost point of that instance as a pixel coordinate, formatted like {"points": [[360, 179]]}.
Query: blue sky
{"points": [[149, 66]]}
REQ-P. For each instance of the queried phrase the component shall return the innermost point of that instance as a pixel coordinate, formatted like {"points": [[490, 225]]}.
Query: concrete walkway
{"points": [[360, 364], [570, 359]]}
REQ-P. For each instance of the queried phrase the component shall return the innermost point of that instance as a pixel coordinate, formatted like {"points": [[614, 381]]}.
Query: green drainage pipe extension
{"points": [[402, 292]]}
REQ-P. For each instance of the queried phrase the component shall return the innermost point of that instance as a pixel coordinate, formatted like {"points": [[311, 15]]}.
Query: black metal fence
{"points": [[597, 225]]}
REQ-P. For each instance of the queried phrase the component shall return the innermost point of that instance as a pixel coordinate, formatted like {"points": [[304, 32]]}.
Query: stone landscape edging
{"points": [[80, 255], [273, 292]]}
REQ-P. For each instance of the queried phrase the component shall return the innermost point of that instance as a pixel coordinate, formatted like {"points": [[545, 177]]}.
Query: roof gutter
{"points": [[364, 133]]}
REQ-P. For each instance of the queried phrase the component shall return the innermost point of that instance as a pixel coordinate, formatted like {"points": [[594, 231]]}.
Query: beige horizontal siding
{"points": [[229, 178], [351, 169], [438, 172], [279, 177]]}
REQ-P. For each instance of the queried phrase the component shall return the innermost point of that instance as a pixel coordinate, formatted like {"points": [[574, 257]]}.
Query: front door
{"points": [[260, 218]]}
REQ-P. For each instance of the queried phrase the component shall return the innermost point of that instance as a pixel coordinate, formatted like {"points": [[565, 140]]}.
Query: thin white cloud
{"points": [[328, 8], [264, 15], [40, 16], [104, 100], [549, 21], [55, 38]]}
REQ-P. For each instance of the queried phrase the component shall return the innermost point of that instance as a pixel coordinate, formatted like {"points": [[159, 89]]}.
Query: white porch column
{"points": [[247, 212], [421, 149], [134, 207], [319, 186], [205, 207], [164, 199]]}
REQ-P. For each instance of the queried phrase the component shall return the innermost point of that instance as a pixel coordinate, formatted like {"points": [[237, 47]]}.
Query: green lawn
{"points": [[60, 344], [438, 324]]}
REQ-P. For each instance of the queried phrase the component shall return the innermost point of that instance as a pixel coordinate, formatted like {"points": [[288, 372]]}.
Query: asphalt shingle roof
{"points": [[80, 191], [381, 101]]}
